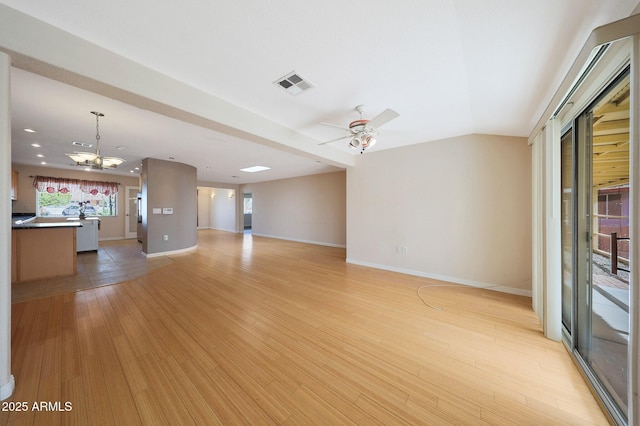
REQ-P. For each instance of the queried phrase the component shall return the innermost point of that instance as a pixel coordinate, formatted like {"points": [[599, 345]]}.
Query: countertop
{"points": [[27, 224]]}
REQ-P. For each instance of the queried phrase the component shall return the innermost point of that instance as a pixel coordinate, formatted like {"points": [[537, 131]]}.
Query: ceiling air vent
{"points": [[293, 83], [82, 144]]}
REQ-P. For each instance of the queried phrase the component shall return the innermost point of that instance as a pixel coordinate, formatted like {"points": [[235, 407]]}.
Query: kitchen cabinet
{"points": [[14, 184], [43, 250]]}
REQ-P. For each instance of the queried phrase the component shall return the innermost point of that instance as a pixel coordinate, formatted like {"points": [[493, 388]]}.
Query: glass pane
{"points": [[567, 228], [132, 197], [608, 254]]}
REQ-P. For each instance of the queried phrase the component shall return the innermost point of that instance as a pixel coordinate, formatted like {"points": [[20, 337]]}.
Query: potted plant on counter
{"points": [[81, 210]]}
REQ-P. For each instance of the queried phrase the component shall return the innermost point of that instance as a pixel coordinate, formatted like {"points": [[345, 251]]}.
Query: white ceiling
{"points": [[449, 67]]}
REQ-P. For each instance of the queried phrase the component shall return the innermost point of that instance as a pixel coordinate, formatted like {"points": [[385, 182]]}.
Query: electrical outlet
{"points": [[165, 238]]}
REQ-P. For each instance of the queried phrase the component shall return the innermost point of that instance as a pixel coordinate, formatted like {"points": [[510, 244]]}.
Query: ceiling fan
{"points": [[363, 132]]}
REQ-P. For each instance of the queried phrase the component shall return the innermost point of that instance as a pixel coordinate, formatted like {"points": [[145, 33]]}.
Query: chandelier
{"points": [[95, 160]]}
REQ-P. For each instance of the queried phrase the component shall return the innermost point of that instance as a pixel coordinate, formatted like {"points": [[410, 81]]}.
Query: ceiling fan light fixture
{"points": [[362, 132], [355, 142], [362, 141], [371, 141], [358, 125], [95, 160]]}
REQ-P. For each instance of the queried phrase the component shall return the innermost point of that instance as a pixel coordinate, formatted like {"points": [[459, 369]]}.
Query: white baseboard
{"points": [[320, 243], [6, 390], [223, 229], [455, 280], [171, 252], [114, 239]]}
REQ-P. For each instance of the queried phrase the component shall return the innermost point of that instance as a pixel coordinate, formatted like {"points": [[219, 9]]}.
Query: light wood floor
{"points": [[262, 331]]}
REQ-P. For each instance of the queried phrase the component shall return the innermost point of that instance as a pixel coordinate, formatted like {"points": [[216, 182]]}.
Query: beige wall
{"points": [[204, 201], [309, 208], [456, 209], [111, 228]]}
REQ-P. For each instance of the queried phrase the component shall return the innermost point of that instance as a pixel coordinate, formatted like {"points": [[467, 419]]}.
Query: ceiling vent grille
{"points": [[293, 83], [82, 144]]}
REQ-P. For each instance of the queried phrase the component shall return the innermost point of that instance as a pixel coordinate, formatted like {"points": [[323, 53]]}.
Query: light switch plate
{"points": [[157, 210], [167, 210]]}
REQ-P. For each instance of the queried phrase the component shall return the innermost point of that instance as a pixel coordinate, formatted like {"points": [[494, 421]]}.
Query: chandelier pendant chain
{"points": [[98, 115]]}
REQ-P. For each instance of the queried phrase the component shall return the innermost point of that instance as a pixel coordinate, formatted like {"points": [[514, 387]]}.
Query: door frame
{"points": [[130, 233]]}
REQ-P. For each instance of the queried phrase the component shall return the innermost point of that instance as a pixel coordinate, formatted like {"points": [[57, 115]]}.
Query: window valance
{"points": [[64, 186]]}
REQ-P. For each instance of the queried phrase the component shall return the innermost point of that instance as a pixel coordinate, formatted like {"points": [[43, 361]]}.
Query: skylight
{"points": [[254, 169]]}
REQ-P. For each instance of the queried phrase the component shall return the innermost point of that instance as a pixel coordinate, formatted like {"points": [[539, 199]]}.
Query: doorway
{"points": [[131, 212], [247, 211]]}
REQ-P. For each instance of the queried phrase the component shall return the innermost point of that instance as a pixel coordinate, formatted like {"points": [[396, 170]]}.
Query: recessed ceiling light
{"points": [[136, 168], [131, 171], [29, 130], [121, 148], [43, 162], [254, 169], [39, 155], [36, 145]]}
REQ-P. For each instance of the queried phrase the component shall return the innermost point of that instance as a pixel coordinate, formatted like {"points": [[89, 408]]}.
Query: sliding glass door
{"points": [[595, 241]]}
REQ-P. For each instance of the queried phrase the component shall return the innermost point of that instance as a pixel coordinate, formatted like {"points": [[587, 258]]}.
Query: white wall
{"points": [[6, 378], [216, 210], [222, 214], [309, 208], [457, 209]]}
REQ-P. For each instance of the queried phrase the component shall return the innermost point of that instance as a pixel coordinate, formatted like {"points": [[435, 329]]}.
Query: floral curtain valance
{"points": [[64, 186]]}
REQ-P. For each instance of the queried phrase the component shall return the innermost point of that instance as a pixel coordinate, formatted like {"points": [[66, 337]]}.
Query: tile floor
{"points": [[115, 261]]}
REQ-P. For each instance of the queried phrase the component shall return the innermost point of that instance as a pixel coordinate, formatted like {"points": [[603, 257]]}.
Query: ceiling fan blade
{"points": [[333, 125], [335, 140], [382, 118]]}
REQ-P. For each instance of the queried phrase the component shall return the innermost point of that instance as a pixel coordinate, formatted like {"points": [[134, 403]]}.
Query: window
{"points": [[56, 197], [248, 204]]}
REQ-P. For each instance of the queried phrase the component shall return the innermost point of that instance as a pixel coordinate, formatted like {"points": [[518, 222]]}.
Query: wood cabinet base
{"points": [[43, 253]]}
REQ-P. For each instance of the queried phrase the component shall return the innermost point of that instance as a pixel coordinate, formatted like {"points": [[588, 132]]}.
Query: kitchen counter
{"points": [[33, 225], [42, 249]]}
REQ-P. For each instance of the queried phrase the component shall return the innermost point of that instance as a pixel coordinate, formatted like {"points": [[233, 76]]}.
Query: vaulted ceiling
{"points": [[448, 67]]}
